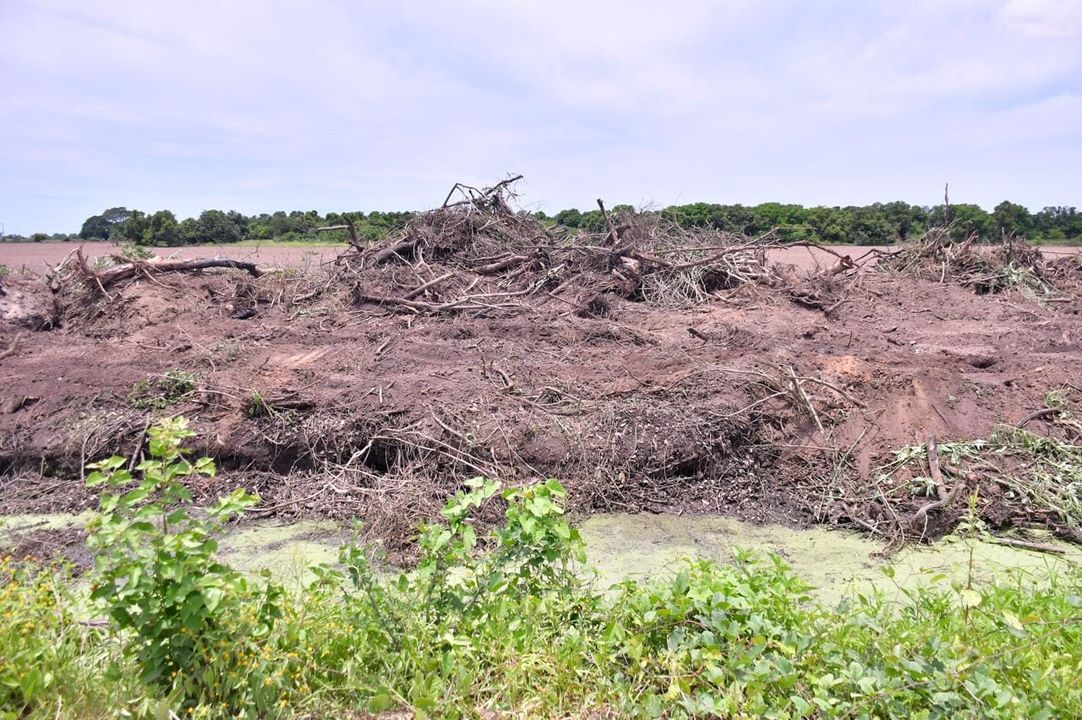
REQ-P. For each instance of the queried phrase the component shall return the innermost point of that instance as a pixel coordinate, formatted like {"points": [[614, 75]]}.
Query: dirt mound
{"points": [[647, 367]]}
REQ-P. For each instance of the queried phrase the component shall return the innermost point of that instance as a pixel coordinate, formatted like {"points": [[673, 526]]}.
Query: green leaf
{"points": [[1012, 620], [380, 702], [970, 598]]}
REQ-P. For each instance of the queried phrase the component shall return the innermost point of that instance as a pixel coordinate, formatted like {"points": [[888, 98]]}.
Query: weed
{"points": [[256, 406], [31, 623], [132, 252], [158, 392]]}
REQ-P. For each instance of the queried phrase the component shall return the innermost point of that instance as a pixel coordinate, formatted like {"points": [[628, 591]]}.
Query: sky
{"points": [[364, 105]]}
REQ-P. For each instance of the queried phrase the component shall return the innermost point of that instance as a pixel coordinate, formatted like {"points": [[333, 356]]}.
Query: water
{"points": [[644, 546]]}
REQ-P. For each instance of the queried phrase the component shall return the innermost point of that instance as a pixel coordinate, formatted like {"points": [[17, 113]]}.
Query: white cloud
{"points": [[335, 104], [1044, 18]]}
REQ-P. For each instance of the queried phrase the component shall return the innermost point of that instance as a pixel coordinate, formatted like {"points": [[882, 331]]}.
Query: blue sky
{"points": [[334, 105]]}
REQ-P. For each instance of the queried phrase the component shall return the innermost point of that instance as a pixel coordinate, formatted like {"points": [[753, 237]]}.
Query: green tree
{"points": [[215, 226], [100, 227], [162, 229], [972, 219], [133, 229], [1013, 218], [569, 218]]}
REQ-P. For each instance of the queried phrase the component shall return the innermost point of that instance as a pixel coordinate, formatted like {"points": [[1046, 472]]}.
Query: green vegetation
{"points": [[1037, 470], [500, 623], [218, 227], [876, 224], [157, 392], [181, 611]]}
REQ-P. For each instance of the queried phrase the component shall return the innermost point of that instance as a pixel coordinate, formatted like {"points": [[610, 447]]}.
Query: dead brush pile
{"points": [[986, 268], [476, 255]]}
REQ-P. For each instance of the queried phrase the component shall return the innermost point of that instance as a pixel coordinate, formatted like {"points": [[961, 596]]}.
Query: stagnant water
{"points": [[620, 546]]}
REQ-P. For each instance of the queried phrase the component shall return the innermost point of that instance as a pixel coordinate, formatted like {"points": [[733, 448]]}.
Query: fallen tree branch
{"points": [[390, 252], [920, 517], [421, 288], [111, 276], [509, 262], [1026, 545]]}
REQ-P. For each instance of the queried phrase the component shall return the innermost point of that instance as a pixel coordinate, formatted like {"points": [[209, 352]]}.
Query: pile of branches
{"points": [[983, 267], [475, 254], [1014, 479]]}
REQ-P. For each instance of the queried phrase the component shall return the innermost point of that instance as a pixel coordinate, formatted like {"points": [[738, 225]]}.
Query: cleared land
{"points": [[648, 368], [36, 256]]}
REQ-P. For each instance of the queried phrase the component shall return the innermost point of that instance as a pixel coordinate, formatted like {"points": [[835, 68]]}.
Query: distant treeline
{"points": [[877, 224]]}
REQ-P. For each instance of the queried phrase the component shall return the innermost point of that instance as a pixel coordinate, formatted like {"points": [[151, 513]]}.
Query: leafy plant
{"points": [[501, 623], [32, 628], [133, 253], [256, 406], [194, 625]]}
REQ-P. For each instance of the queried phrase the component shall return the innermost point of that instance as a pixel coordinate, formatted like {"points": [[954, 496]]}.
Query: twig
{"points": [[1026, 545], [420, 289]]}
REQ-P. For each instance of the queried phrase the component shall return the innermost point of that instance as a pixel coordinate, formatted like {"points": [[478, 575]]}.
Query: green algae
{"points": [[42, 521], [621, 546], [287, 550], [836, 563]]}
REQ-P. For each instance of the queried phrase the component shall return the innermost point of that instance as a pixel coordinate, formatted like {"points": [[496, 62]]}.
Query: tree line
{"points": [[876, 224]]}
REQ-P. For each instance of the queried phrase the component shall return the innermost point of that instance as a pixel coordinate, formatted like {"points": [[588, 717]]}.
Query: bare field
{"points": [[35, 256]]}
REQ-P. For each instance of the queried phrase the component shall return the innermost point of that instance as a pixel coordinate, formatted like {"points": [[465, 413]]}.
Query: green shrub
{"points": [[196, 628], [134, 253]]}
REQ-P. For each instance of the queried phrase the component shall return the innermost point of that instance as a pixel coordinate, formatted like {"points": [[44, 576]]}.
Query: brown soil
{"points": [[330, 404], [45, 545]]}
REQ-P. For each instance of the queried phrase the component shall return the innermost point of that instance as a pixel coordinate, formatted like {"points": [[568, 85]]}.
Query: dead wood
{"points": [[431, 283], [111, 276], [920, 518], [1027, 545], [613, 236], [402, 247], [501, 265]]}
